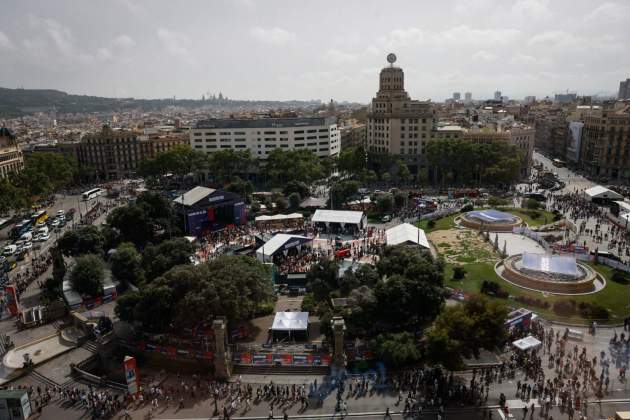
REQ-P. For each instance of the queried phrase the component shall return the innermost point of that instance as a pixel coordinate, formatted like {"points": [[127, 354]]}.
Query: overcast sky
{"points": [[290, 49]]}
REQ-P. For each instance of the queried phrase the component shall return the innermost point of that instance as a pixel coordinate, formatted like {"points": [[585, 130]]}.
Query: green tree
{"points": [[384, 203], [296, 187], [343, 191], [126, 265], [132, 224], [12, 197], [531, 204], [225, 164], [87, 275], [404, 175], [463, 330], [241, 187], [84, 240], [180, 160], [397, 350], [46, 172], [294, 200], [187, 296], [158, 259], [294, 165], [352, 160], [412, 290], [281, 204], [323, 279], [58, 264]]}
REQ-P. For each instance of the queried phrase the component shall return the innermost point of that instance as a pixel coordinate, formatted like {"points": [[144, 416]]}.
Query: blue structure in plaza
{"points": [[205, 210]]}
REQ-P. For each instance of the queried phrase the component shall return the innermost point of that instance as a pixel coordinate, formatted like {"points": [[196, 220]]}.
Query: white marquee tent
{"points": [[601, 193], [280, 242], [290, 321], [406, 234], [529, 342], [342, 217]]}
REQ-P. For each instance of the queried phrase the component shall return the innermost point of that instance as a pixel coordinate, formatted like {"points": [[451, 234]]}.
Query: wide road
{"points": [[573, 181]]}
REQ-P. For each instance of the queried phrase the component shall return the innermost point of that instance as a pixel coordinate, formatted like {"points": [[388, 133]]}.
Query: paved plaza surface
{"points": [[202, 406]]}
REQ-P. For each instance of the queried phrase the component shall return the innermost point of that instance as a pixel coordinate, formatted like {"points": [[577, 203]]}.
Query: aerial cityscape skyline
{"points": [[250, 209], [279, 51]]}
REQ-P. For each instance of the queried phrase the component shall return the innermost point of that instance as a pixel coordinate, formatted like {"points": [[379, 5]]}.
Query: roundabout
{"points": [[552, 274]]}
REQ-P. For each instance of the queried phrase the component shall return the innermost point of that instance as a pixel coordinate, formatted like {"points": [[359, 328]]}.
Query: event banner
{"points": [[285, 359], [12, 299], [131, 373]]}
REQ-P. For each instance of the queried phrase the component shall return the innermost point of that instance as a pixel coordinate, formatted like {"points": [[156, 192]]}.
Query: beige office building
{"points": [[396, 124], [11, 159]]}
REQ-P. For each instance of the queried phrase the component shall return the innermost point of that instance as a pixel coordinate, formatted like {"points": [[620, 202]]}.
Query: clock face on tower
{"points": [[391, 58]]}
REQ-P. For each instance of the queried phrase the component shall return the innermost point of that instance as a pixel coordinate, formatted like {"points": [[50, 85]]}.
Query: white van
{"points": [[9, 250], [42, 231], [28, 236]]}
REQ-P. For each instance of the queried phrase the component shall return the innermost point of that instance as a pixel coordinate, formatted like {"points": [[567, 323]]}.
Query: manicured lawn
{"points": [[522, 213], [614, 297], [440, 224]]}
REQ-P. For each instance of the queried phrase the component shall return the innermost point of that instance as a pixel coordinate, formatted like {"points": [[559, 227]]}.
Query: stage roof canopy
{"points": [[278, 243], [406, 233], [290, 321], [602, 192], [550, 264], [193, 196], [529, 342], [338, 216], [492, 216], [291, 216]]}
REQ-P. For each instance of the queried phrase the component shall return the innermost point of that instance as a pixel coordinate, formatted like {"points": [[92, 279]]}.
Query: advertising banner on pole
{"points": [[131, 374]]}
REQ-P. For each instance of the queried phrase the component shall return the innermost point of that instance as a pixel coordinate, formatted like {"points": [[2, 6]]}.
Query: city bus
{"points": [[89, 195], [21, 228], [39, 217], [559, 163]]}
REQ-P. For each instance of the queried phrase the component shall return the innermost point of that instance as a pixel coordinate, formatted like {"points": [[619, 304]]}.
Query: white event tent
{"points": [[406, 233]]}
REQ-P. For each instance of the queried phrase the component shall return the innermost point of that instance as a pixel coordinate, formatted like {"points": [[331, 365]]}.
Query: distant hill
{"points": [[18, 102]]}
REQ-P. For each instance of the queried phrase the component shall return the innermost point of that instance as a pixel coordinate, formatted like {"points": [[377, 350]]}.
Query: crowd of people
{"points": [[300, 261], [592, 223], [39, 265]]}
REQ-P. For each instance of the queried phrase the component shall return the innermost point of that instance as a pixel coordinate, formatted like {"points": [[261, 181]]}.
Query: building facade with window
{"points": [[605, 151], [11, 159], [261, 136], [396, 124], [115, 154]]}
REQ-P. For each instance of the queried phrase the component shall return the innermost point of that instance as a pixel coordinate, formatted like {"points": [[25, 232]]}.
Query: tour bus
{"points": [[22, 227], [88, 195], [558, 163], [39, 217]]}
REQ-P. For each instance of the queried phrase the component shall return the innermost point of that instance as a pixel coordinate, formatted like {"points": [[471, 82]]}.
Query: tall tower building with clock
{"points": [[396, 124]]}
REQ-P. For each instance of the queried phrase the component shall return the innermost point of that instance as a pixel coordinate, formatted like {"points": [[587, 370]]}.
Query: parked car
{"points": [[43, 238], [26, 246], [386, 218], [9, 250]]}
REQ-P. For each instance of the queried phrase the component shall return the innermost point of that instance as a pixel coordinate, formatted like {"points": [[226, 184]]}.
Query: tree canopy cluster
{"points": [[404, 291], [44, 173], [87, 275], [463, 162], [144, 221], [463, 330], [188, 296]]}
